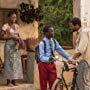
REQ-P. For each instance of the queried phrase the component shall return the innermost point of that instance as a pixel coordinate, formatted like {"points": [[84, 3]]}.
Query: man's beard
{"points": [[74, 30]]}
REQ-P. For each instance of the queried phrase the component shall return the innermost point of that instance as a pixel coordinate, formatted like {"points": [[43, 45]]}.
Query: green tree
{"points": [[57, 13]]}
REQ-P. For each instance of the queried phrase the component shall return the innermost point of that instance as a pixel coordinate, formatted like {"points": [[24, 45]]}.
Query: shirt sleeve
{"points": [[4, 27], [43, 57], [82, 43], [62, 52]]}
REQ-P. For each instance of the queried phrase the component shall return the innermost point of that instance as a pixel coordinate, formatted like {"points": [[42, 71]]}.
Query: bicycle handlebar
{"points": [[65, 65]]}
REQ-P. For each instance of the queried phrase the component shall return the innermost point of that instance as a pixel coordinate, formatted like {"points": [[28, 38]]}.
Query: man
{"points": [[82, 51], [47, 71]]}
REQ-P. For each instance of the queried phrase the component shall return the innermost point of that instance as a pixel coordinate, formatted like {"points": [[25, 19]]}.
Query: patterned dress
{"points": [[12, 61]]}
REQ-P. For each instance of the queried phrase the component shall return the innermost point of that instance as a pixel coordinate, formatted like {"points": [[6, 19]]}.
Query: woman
{"points": [[12, 60]]}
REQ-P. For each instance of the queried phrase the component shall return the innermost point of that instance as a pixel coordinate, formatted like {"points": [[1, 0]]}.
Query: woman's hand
{"points": [[16, 38]]}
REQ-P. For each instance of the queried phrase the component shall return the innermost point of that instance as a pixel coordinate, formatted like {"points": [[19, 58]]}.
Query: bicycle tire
{"points": [[57, 85]]}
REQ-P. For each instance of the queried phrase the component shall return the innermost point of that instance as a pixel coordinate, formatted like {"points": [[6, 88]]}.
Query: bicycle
{"points": [[60, 83]]}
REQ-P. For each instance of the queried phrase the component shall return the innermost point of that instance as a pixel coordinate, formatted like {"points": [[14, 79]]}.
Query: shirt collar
{"points": [[79, 30], [45, 38]]}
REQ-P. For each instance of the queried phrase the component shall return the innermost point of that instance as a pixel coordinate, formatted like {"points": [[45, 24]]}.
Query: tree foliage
{"points": [[57, 13]]}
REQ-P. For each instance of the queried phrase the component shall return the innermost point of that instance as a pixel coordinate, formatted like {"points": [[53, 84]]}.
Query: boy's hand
{"points": [[51, 58]]}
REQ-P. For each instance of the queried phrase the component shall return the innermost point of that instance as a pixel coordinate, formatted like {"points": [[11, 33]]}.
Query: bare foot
{"points": [[10, 85]]}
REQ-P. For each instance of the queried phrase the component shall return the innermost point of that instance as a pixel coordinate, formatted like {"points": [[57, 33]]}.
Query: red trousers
{"points": [[47, 73]]}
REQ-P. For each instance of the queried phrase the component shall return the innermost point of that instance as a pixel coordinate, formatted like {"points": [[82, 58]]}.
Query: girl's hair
{"points": [[11, 13]]}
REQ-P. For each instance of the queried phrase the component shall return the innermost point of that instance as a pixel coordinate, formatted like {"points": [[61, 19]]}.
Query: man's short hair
{"points": [[76, 21], [47, 28]]}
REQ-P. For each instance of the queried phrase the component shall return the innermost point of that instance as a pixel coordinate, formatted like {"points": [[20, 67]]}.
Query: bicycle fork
{"points": [[74, 83], [63, 83]]}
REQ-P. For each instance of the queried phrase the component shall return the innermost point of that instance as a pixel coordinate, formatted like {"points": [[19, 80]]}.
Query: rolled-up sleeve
{"points": [[43, 57], [62, 52]]}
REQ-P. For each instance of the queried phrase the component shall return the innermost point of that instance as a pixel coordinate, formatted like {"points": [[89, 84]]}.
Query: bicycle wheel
{"points": [[57, 85]]}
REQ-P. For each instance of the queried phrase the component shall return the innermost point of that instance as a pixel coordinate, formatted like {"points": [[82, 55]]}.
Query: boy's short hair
{"points": [[76, 21], [47, 28]]}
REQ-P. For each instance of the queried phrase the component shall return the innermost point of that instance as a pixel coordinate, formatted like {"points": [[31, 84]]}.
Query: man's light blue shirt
{"points": [[44, 57]]}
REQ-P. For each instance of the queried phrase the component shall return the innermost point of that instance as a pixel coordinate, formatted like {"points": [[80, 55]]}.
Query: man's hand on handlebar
{"points": [[70, 62]]}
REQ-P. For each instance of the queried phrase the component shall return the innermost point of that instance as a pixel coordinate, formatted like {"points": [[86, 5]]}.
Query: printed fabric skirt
{"points": [[12, 61]]}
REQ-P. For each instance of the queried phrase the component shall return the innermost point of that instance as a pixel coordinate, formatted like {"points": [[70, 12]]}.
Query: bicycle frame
{"points": [[74, 83], [62, 79]]}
